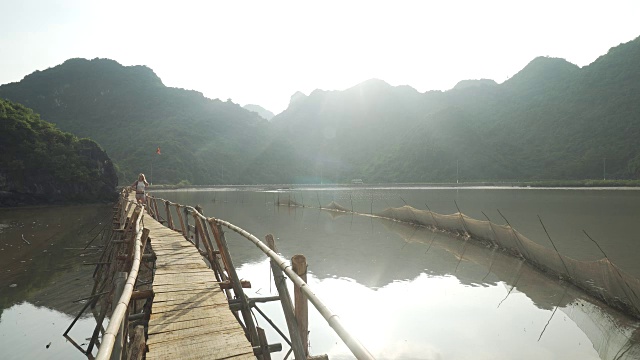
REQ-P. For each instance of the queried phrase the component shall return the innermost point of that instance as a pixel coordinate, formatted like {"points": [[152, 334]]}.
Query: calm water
{"points": [[404, 292], [39, 281]]}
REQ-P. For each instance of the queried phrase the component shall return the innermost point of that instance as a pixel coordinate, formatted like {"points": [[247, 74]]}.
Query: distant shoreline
{"points": [[552, 184]]}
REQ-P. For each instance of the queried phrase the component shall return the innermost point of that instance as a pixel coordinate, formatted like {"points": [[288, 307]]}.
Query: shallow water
{"points": [[39, 281], [409, 293], [404, 292]]}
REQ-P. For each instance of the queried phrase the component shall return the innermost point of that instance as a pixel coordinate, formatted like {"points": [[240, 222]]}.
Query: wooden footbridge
{"points": [[172, 291]]}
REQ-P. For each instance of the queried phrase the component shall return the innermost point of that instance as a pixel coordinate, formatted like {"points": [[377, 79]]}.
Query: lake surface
{"points": [[405, 292], [39, 281]]}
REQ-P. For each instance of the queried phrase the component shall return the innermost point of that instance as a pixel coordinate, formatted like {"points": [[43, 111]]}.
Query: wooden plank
{"points": [[189, 288], [166, 263], [189, 301], [187, 332], [173, 326], [179, 261], [162, 319], [181, 309], [203, 346], [191, 265], [182, 278], [172, 270], [190, 316], [189, 296]]}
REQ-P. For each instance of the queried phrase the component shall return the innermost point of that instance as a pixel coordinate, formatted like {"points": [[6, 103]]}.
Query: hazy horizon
{"points": [[262, 53]]}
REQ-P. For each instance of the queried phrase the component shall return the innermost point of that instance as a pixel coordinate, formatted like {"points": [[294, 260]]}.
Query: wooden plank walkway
{"points": [[190, 315]]}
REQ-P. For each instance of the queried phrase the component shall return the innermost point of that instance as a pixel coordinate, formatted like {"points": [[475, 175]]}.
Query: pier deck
{"points": [[190, 316]]}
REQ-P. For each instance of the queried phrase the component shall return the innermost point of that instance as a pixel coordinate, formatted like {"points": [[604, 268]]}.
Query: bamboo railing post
{"points": [[200, 233], [206, 238], [180, 218], [131, 238], [252, 333], [217, 230], [187, 233], [123, 216], [196, 235], [169, 217], [118, 322], [299, 266], [287, 306], [216, 235], [155, 207], [148, 204]]}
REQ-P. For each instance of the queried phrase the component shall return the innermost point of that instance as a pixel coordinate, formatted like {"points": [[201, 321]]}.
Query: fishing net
{"points": [[600, 278]]}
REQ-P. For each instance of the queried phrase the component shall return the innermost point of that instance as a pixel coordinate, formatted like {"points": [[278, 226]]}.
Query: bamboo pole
{"points": [[117, 317], [299, 266], [187, 233], [287, 307], [215, 265], [196, 214], [200, 233], [169, 217], [120, 279], [180, 218], [215, 228], [155, 207], [332, 319], [252, 334]]}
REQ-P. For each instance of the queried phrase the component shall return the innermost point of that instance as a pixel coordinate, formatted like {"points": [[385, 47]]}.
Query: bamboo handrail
{"points": [[332, 319], [109, 337]]}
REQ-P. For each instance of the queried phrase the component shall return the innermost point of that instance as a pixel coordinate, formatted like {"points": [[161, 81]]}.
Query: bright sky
{"points": [[262, 52]]}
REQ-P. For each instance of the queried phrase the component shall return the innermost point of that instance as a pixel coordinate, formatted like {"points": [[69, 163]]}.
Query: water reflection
{"points": [[39, 280], [409, 293]]}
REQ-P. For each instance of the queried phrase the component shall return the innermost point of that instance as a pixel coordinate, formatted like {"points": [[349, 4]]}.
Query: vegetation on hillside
{"points": [[551, 121], [130, 113], [41, 164]]}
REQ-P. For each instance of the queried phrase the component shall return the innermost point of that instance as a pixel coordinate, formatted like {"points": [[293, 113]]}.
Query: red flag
{"points": [[158, 151]]}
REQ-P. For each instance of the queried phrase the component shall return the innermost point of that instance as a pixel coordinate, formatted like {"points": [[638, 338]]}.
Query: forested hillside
{"points": [[552, 120], [41, 164], [130, 113]]}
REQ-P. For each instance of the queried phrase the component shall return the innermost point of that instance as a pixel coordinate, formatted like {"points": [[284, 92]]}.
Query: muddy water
{"points": [[41, 274], [409, 293], [405, 292]]}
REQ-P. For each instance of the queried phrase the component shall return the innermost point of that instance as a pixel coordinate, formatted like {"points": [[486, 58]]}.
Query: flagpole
{"points": [[151, 175]]}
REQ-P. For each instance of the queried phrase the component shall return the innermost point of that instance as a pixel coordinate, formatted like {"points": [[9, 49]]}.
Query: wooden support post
{"points": [[169, 217], [120, 279], [200, 233], [299, 266], [264, 345], [217, 231], [287, 306], [252, 333], [130, 242], [181, 219], [149, 207], [187, 232], [137, 350], [155, 210], [197, 233], [143, 240], [123, 216], [141, 294]]}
